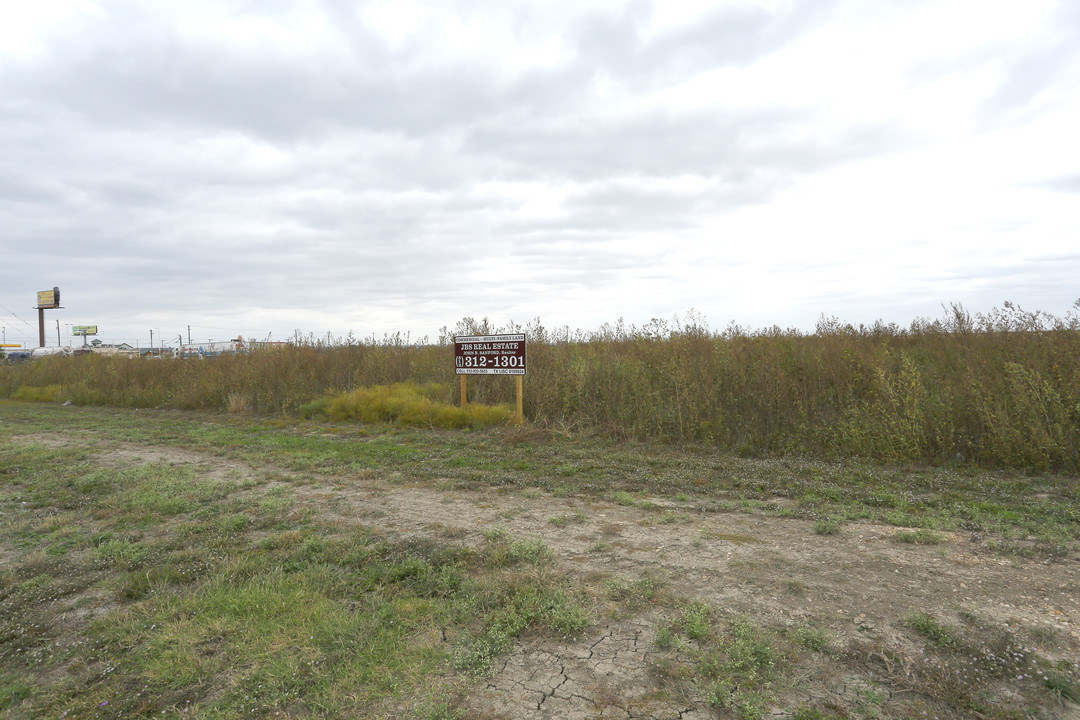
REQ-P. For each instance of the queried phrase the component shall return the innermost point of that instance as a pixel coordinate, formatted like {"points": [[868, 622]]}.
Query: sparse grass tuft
{"points": [[530, 601], [827, 526], [1062, 686], [576, 518], [737, 668], [810, 637], [642, 590], [938, 633], [922, 536], [696, 620]]}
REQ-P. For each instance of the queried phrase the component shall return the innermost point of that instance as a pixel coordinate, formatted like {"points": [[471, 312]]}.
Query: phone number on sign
{"points": [[486, 361]]}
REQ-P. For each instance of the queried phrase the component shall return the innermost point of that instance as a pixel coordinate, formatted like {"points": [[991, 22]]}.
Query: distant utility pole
{"points": [[188, 334], [57, 332]]}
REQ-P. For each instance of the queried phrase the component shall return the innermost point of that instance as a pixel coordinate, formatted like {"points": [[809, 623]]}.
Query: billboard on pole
{"points": [[48, 299]]}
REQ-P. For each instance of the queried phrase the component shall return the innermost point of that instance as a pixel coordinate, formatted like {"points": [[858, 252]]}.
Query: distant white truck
{"points": [[40, 352]]}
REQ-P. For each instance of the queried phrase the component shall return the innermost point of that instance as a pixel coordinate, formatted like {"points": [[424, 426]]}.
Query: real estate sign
{"points": [[489, 354]]}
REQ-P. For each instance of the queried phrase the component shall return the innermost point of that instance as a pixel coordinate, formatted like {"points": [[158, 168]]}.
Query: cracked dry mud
{"points": [[857, 586], [605, 676]]}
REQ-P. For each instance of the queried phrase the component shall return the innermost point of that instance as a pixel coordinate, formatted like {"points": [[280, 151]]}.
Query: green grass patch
{"points": [[738, 666], [740, 670], [696, 620], [193, 595]]}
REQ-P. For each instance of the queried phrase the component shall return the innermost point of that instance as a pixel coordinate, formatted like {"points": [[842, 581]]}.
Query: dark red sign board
{"points": [[489, 354]]}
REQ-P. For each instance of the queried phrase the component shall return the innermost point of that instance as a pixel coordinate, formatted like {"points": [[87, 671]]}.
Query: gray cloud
{"points": [[1066, 183], [1029, 75], [730, 35], [732, 145], [149, 165], [1030, 71]]}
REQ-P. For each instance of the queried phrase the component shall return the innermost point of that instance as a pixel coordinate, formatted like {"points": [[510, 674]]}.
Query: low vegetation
{"points": [[134, 587], [1000, 389], [745, 669], [405, 404], [1017, 513]]}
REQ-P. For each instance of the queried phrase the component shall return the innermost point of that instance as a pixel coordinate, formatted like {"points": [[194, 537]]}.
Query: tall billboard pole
{"points": [[46, 300]]}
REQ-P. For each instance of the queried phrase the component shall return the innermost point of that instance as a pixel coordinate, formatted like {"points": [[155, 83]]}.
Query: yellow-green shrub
{"points": [[411, 405], [31, 393]]}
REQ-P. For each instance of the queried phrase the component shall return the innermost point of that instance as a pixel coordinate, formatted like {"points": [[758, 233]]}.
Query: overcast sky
{"points": [[264, 166]]}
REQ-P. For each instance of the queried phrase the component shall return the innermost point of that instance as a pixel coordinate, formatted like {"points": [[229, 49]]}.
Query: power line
{"points": [[24, 322]]}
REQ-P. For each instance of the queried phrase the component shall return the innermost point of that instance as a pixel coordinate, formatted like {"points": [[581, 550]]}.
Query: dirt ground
{"points": [[858, 586]]}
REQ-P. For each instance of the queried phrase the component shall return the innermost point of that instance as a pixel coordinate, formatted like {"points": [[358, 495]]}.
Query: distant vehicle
{"points": [[40, 352]]}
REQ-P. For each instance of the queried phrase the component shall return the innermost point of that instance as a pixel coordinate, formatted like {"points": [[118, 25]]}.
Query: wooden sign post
{"points": [[520, 399], [491, 355]]}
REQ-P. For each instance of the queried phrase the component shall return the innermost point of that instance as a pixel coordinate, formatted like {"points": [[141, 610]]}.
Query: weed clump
{"points": [[736, 666], [827, 526], [527, 599], [937, 633], [39, 393], [406, 404]]}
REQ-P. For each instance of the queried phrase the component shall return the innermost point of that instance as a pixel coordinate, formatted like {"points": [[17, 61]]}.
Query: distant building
{"points": [[97, 344], [122, 349], [213, 349]]}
